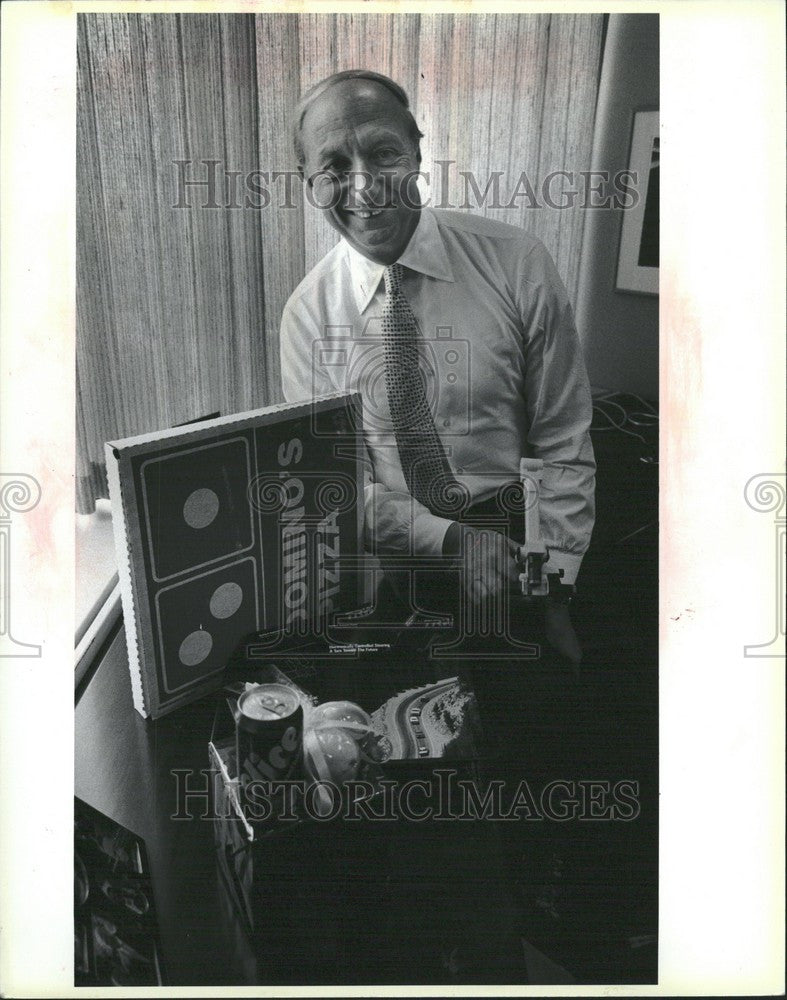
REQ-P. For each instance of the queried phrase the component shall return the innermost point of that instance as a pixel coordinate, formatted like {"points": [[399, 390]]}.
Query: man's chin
{"points": [[378, 244], [381, 243]]}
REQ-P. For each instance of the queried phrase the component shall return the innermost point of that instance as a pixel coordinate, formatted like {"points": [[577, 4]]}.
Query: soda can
{"points": [[268, 734]]}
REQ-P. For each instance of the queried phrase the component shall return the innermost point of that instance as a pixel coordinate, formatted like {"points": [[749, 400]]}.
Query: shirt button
{"points": [[446, 423], [459, 472]]}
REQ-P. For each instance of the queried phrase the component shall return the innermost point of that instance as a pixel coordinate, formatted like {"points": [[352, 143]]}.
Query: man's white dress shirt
{"points": [[504, 369]]}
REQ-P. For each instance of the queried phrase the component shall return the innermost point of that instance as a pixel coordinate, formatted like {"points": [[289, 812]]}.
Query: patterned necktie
{"points": [[424, 463]]}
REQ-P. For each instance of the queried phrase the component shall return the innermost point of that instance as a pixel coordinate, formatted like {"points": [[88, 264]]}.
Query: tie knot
{"points": [[392, 276]]}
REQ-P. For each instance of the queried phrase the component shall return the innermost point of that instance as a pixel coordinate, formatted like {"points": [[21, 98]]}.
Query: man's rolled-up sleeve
{"points": [[559, 410], [397, 524]]}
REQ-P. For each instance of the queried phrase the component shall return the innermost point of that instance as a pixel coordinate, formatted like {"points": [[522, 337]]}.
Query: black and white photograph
{"points": [[386, 617], [372, 405]]}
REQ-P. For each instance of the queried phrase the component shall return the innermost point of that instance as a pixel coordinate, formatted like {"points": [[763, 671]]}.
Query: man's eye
{"points": [[387, 152]]}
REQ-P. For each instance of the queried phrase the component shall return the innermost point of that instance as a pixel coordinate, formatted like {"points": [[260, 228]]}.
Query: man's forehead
{"points": [[353, 104]]}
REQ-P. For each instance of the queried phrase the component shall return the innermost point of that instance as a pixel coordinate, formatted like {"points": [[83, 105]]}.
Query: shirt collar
{"points": [[425, 253]]}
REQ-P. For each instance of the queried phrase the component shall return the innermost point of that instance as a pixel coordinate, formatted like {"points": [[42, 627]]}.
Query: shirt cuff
{"points": [[569, 562], [428, 533]]}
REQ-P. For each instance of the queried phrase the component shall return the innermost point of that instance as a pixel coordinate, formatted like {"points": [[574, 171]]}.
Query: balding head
{"points": [[341, 80]]}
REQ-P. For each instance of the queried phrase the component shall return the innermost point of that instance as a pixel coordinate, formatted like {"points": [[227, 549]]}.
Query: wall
{"points": [[178, 309], [620, 330]]}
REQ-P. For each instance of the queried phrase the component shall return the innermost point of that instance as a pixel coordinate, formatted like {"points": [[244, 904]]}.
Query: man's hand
{"points": [[489, 571], [489, 568]]}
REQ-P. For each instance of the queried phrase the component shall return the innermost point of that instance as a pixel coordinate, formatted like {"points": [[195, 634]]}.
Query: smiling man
{"points": [[358, 145], [458, 334]]}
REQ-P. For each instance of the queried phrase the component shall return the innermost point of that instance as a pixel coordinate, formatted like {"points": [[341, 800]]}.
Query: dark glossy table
{"points": [[416, 903]]}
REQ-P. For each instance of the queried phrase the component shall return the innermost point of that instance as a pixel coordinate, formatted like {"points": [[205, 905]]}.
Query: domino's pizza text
{"points": [[296, 544]]}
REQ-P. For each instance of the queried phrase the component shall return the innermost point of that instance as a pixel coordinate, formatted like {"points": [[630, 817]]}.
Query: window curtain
{"points": [[182, 122]]}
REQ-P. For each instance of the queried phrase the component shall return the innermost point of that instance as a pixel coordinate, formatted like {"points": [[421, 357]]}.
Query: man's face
{"points": [[361, 164]]}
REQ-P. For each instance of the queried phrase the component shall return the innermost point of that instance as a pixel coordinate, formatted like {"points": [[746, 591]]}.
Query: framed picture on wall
{"points": [[638, 258]]}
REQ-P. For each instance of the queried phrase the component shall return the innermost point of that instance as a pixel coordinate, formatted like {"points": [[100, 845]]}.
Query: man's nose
{"points": [[365, 180]]}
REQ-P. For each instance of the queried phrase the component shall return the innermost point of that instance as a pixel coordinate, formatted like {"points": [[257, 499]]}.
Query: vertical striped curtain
{"points": [[184, 119]]}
